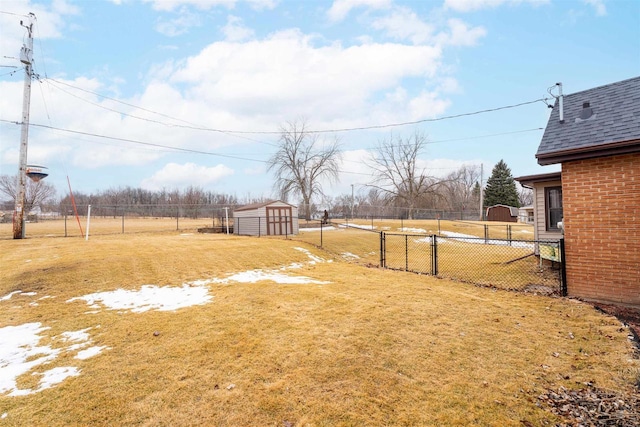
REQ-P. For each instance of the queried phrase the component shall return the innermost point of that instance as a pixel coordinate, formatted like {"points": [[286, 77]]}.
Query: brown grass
{"points": [[373, 347]]}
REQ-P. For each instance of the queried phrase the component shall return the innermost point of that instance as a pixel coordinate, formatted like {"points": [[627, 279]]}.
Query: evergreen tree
{"points": [[501, 187]]}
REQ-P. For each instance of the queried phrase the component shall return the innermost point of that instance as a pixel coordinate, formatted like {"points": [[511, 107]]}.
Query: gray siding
{"points": [[540, 225], [253, 222]]}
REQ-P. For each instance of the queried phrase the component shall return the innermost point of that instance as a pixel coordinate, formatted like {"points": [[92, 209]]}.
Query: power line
{"points": [[150, 144], [171, 148], [188, 125], [227, 131], [14, 14]]}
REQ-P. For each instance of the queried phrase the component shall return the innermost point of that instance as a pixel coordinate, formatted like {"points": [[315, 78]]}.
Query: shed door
{"points": [[279, 220]]}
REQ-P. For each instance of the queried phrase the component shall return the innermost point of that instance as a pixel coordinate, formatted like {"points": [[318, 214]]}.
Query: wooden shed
{"points": [[272, 218], [502, 213]]}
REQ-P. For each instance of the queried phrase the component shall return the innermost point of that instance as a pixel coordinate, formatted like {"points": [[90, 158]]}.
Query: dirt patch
{"points": [[627, 315]]}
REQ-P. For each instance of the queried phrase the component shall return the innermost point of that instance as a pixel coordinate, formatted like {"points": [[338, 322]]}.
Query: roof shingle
{"points": [[615, 119]]}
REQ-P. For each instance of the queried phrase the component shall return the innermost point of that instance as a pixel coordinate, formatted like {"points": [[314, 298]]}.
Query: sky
{"points": [[167, 94]]}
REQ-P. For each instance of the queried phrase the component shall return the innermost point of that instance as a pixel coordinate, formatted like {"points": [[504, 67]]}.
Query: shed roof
{"points": [[613, 127], [513, 211], [260, 205]]}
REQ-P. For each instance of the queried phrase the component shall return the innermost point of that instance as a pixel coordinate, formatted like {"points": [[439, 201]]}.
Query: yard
{"points": [[198, 329]]}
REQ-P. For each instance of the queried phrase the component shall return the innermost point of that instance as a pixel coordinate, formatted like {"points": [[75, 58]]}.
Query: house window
{"points": [[553, 197]]}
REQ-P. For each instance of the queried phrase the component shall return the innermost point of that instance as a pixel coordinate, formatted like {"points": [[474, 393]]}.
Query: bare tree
{"points": [[302, 161], [459, 188], [38, 192], [525, 196], [192, 198], [397, 175]]}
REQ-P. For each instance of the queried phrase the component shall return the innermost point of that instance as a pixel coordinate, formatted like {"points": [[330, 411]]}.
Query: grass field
{"points": [[225, 330]]}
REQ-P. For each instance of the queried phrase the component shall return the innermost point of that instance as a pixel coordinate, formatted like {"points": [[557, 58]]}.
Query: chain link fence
{"points": [[104, 220], [490, 260]]}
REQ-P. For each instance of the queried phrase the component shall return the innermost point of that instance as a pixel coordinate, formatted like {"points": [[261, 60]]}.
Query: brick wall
{"points": [[601, 207]]}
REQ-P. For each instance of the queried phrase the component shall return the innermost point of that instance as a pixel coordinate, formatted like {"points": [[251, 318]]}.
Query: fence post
{"points": [[486, 233], [65, 225], [382, 249], [434, 255], [509, 234], [406, 252], [563, 269], [321, 227]]}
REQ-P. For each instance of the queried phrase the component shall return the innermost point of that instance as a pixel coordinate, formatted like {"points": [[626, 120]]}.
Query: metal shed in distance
{"points": [[272, 218], [502, 213]]}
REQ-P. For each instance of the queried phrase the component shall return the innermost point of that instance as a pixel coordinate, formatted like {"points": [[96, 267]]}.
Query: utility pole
{"points": [[352, 200], [481, 192], [26, 57]]}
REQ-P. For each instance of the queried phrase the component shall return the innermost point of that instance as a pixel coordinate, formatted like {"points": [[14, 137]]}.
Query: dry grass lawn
{"points": [[371, 347]]}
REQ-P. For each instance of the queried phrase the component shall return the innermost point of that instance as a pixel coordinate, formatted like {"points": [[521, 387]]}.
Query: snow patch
{"points": [[56, 376], [314, 259], [363, 227], [166, 298], [254, 276], [413, 230], [460, 237], [349, 255], [11, 294], [20, 353], [90, 352]]}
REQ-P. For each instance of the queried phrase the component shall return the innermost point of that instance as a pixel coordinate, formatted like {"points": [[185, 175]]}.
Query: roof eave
{"points": [[529, 180], [604, 150]]}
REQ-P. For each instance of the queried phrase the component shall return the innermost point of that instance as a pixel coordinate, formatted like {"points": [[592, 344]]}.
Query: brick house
{"points": [[595, 136]]}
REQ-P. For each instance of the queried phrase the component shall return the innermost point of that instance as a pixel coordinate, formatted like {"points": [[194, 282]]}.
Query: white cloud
{"points": [[174, 175], [341, 8], [472, 5], [449, 85], [460, 34], [170, 5], [235, 30], [404, 24], [180, 24], [286, 76], [263, 4], [598, 6]]}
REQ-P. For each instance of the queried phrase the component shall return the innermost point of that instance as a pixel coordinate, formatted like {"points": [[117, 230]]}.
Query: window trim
{"points": [[548, 208]]}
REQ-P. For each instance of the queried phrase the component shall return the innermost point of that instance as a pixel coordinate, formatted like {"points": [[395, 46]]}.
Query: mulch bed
{"points": [[592, 407]]}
